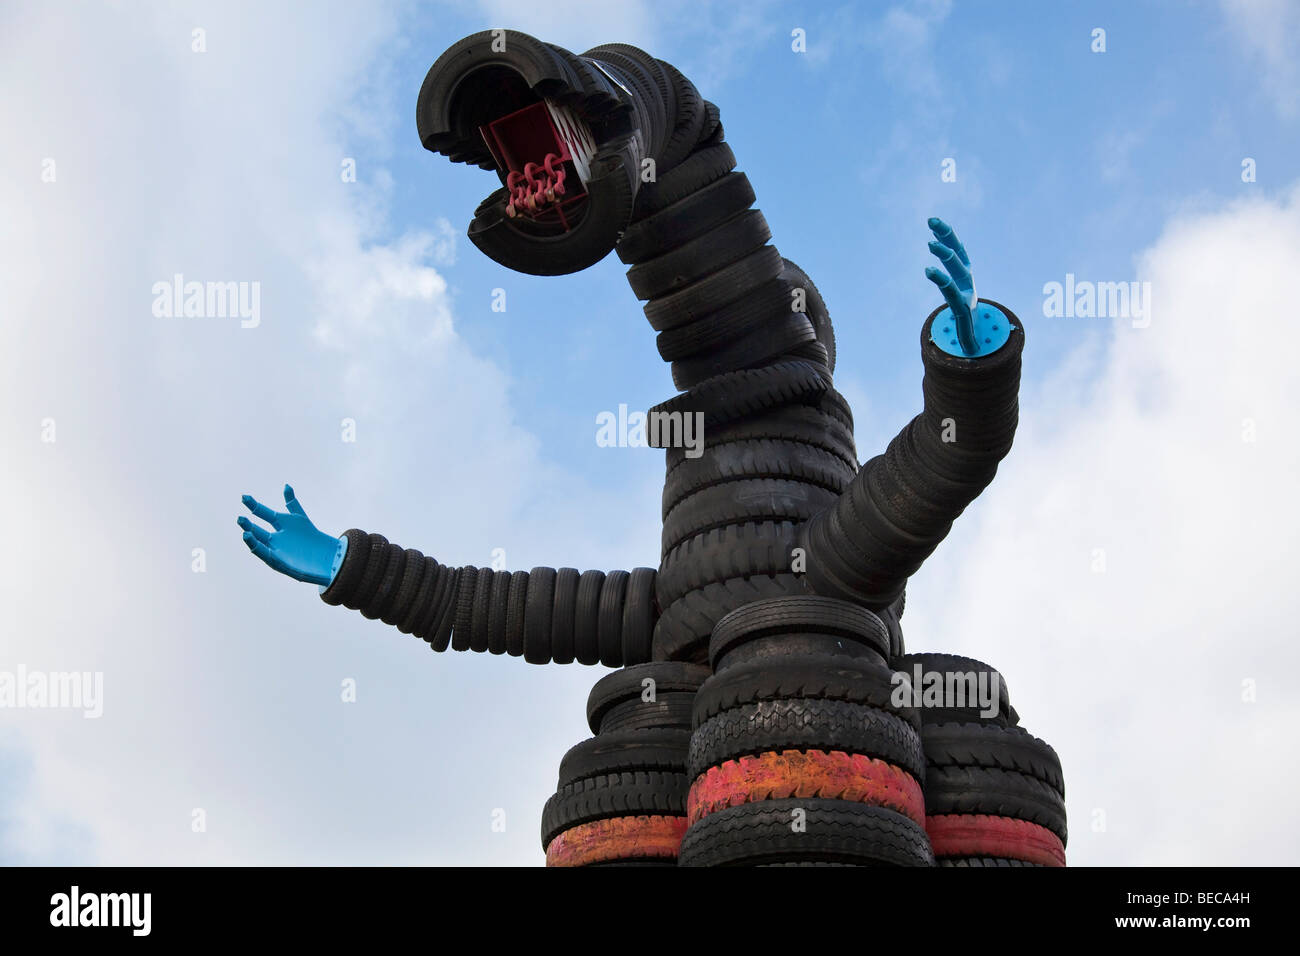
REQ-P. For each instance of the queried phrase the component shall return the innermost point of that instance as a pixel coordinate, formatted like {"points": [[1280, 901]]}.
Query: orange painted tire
{"points": [[977, 834], [617, 838], [813, 773]]}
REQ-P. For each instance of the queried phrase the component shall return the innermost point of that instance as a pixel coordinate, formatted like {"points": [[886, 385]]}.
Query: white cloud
{"points": [[1268, 31], [1136, 674], [222, 689], [904, 39]]}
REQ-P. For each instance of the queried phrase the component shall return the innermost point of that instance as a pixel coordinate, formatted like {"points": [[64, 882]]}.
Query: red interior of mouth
{"points": [[536, 164]]}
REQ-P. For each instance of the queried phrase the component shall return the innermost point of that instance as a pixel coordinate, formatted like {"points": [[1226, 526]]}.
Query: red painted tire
{"points": [[977, 834], [813, 773], [617, 838]]}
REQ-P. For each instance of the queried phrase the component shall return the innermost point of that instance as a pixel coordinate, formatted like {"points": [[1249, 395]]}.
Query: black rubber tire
{"points": [[586, 624], [952, 715], [839, 566], [702, 167], [736, 502], [910, 496], [801, 724], [896, 646], [623, 751], [436, 591], [376, 559], [515, 603], [999, 793], [429, 586], [712, 132], [761, 345], [393, 569], [719, 247], [685, 219], [690, 116], [925, 477], [627, 684], [800, 423], [760, 306], [837, 406], [465, 586], [683, 629], [714, 291], [564, 615], [779, 647], [669, 710], [599, 95], [734, 551], [900, 522], [538, 610], [541, 69], [837, 831], [604, 216], [987, 745], [439, 635], [614, 795], [342, 590], [981, 861], [755, 458], [798, 615], [609, 625], [746, 393], [816, 677], [955, 664], [813, 352], [497, 608], [478, 641], [639, 613], [816, 311], [636, 71], [408, 590]]}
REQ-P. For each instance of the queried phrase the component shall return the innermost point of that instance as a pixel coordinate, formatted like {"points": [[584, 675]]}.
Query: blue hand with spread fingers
{"points": [[969, 330], [957, 284], [295, 547]]}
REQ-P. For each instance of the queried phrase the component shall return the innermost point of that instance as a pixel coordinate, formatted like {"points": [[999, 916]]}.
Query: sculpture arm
{"points": [[544, 615], [902, 503]]}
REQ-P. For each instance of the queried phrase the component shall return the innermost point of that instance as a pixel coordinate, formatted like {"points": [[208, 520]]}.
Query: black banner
{"points": [[330, 905]]}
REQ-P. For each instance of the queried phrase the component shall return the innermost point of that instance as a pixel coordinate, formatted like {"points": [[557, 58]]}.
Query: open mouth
{"points": [[560, 133], [551, 191]]}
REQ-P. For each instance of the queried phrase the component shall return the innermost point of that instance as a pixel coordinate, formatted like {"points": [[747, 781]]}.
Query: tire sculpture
{"points": [[756, 718]]}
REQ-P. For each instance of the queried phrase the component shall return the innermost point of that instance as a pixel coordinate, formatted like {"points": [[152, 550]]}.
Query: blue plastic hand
{"points": [[957, 284], [296, 547]]}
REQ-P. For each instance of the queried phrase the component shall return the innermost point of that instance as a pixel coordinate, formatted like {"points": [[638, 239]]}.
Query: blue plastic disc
{"points": [[992, 329]]}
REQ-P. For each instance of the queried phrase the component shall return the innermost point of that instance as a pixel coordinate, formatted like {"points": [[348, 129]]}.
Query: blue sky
{"points": [[1067, 161], [476, 429]]}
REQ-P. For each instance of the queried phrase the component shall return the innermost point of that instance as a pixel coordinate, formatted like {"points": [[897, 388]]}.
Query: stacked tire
{"points": [[776, 451], [751, 346], [621, 795], [994, 793], [799, 755]]}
